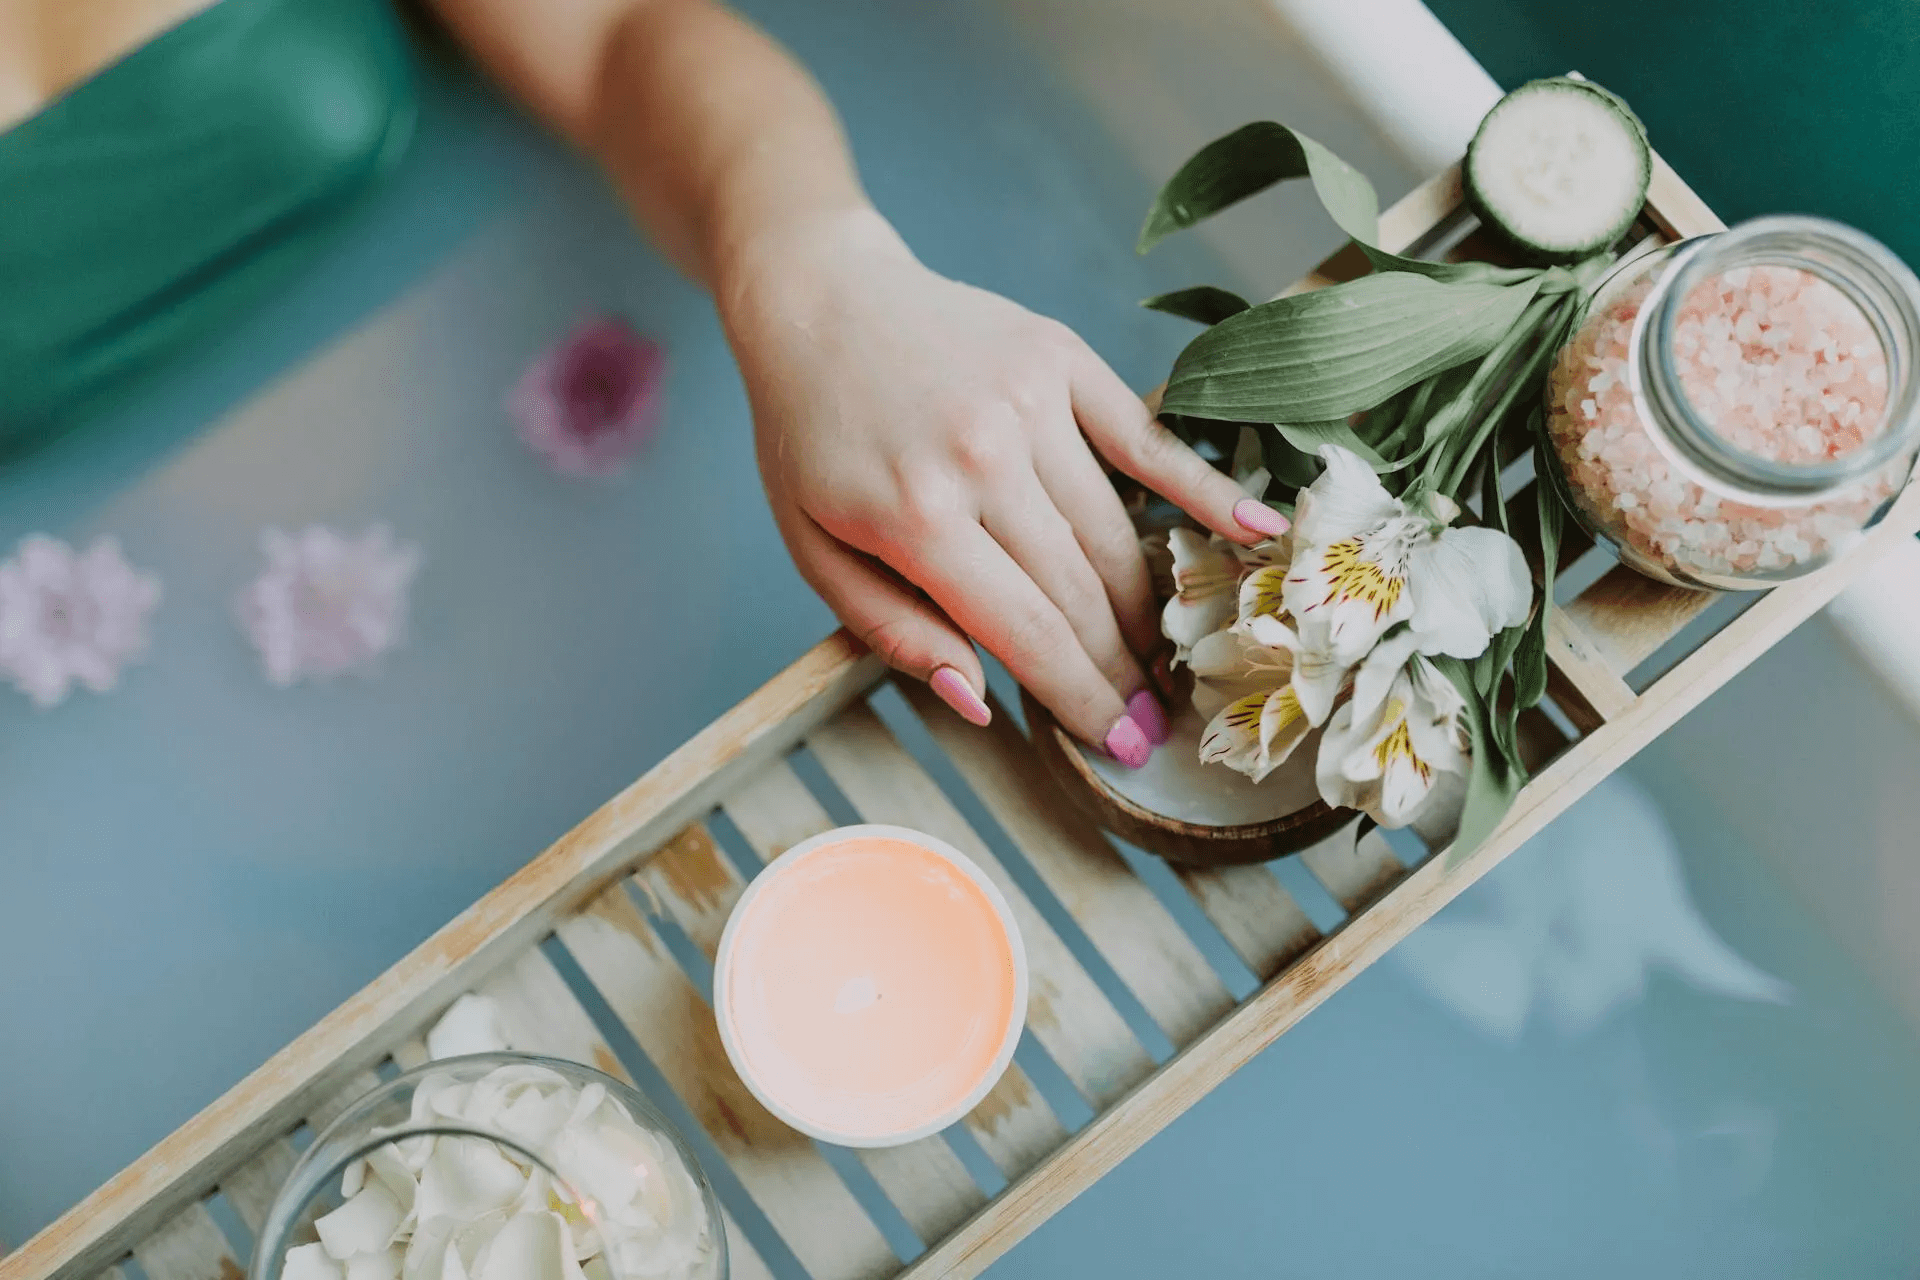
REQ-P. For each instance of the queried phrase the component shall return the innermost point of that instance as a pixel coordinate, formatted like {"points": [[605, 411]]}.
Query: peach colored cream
{"points": [[870, 984]]}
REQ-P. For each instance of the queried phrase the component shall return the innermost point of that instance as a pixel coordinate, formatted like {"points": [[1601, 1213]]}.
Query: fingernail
{"points": [[958, 694], [1258, 516], [1127, 743], [1144, 710]]}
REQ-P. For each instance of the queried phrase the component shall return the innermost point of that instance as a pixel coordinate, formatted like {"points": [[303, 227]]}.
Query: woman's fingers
{"points": [[1028, 526], [992, 598], [1082, 494], [909, 634], [1124, 432]]}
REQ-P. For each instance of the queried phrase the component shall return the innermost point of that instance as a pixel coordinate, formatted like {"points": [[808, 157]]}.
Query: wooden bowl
{"points": [[1178, 840]]}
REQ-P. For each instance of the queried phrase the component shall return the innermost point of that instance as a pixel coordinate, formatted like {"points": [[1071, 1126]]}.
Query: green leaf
{"points": [[1203, 303], [1307, 437], [1530, 660], [1247, 162], [1492, 783], [1326, 354], [1473, 272], [1289, 466], [1521, 360]]}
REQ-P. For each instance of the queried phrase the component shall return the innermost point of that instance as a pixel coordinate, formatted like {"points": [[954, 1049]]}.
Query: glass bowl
{"points": [[496, 1166]]}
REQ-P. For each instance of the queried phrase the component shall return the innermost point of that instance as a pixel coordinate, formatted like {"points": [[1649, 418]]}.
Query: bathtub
{"points": [[1561, 1077]]}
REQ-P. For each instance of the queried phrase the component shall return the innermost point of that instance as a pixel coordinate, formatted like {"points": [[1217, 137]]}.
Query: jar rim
{"points": [[1865, 271]]}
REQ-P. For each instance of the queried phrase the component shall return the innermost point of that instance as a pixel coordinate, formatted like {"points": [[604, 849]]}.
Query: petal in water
{"points": [[69, 617], [326, 604], [590, 403]]}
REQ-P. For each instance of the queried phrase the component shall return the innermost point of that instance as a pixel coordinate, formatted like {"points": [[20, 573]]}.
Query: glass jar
{"points": [[1737, 409], [494, 1165]]}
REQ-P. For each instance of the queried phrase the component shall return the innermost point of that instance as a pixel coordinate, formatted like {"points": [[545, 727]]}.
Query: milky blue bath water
{"points": [[197, 867]]}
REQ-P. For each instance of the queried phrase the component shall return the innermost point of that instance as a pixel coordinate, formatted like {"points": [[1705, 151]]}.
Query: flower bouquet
{"points": [[1378, 657]]}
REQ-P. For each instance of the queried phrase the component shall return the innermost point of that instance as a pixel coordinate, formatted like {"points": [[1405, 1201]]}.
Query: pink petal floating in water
{"points": [[68, 617], [588, 404], [326, 604]]}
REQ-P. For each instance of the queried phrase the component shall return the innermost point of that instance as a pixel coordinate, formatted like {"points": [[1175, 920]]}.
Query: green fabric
{"points": [[151, 205], [1762, 106]]}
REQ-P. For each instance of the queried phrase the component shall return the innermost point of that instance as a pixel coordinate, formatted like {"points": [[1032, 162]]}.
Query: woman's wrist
{"points": [[789, 268]]}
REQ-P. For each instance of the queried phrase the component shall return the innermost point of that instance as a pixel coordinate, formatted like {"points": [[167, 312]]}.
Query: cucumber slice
{"points": [[1560, 167]]}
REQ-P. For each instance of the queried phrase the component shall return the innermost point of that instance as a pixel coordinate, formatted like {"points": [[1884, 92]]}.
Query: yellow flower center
{"points": [[1398, 744], [1266, 586], [1352, 576]]}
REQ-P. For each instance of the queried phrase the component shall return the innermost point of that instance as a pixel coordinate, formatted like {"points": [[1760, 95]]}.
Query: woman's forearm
{"points": [[716, 138]]}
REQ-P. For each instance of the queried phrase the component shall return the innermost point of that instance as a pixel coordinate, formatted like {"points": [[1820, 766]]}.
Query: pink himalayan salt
{"points": [[1777, 362]]}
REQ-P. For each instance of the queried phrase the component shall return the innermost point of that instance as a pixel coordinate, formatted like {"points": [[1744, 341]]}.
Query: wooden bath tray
{"points": [[597, 950]]}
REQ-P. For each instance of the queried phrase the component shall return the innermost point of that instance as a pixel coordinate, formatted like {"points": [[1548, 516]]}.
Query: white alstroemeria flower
{"points": [[1318, 680], [1208, 571], [1386, 749], [1363, 562], [1246, 689]]}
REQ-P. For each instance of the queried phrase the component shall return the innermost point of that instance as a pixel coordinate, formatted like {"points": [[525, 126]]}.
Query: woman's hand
{"points": [[925, 447]]}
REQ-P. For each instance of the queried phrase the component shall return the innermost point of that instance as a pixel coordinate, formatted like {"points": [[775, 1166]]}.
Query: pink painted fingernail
{"points": [[1127, 743], [1258, 516], [1144, 710], [958, 694]]}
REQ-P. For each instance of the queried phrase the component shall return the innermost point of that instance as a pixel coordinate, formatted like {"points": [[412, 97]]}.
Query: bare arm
{"points": [[924, 444]]}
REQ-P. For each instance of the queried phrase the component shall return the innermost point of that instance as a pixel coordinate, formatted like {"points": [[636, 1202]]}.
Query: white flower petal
{"points": [[311, 1262], [1206, 571], [1255, 734], [531, 1246], [466, 1178], [1231, 664], [1317, 683], [430, 1252], [1385, 761], [1466, 585], [1263, 594], [1344, 596], [364, 1224], [470, 1025], [383, 1264], [1375, 676], [1345, 500]]}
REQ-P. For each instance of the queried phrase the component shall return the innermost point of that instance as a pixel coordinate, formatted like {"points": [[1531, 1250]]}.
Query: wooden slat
{"points": [[514, 916], [410, 1053], [1120, 915], [743, 1260], [796, 1188], [1278, 1006], [1013, 1124], [1066, 1011], [1420, 210], [1256, 915], [1584, 671], [1674, 207], [189, 1247], [251, 1188], [540, 1014], [697, 887], [1354, 873], [1627, 617], [344, 1093]]}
